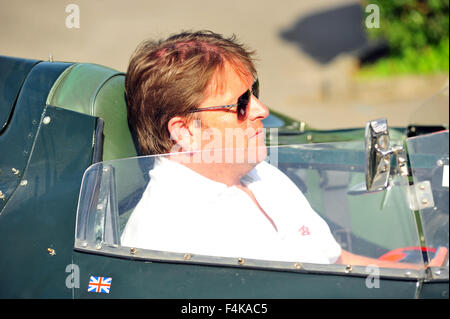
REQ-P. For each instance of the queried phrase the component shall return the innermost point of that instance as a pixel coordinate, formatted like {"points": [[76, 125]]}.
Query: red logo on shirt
{"points": [[304, 231]]}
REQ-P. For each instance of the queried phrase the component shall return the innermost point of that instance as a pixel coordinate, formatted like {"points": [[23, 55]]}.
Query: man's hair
{"points": [[169, 78]]}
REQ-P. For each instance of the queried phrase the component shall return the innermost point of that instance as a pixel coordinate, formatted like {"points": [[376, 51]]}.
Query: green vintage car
{"points": [[70, 176]]}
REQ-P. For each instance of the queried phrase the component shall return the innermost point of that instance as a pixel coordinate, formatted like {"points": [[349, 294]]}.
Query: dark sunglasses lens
{"points": [[255, 89], [243, 101]]}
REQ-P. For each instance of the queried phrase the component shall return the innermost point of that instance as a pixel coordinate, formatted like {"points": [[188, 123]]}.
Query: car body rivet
{"points": [[15, 171], [408, 274], [84, 244], [187, 256], [241, 261], [100, 206], [437, 272], [98, 246], [440, 162], [348, 269], [2, 196], [23, 182], [51, 251], [46, 120], [133, 251], [298, 266], [424, 201], [422, 187]]}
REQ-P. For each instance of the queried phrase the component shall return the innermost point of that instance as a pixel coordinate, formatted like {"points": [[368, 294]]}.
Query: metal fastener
{"points": [[23, 182], [51, 251], [348, 269], [298, 266], [100, 207], [241, 261], [46, 120], [2, 196], [187, 256], [424, 201], [15, 171], [98, 246], [408, 274], [439, 162], [133, 251]]}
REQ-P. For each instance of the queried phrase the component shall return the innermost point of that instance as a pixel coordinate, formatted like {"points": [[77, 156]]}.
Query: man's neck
{"points": [[228, 174]]}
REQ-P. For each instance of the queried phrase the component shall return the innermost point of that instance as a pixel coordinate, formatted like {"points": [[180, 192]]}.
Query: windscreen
{"points": [[293, 203], [433, 113], [429, 163]]}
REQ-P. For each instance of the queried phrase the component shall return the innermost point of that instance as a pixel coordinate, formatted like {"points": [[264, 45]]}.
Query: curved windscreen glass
{"points": [[295, 203], [434, 112], [429, 163]]}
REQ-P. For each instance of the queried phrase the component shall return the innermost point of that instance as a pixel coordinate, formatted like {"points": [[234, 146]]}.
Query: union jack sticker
{"points": [[99, 284]]}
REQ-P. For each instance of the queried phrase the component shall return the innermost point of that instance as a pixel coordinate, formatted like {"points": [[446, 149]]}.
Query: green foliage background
{"points": [[417, 32]]}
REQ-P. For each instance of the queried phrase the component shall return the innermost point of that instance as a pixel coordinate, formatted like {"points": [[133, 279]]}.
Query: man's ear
{"points": [[184, 132]]}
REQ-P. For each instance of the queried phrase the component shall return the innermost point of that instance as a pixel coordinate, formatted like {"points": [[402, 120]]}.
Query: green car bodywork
{"points": [[57, 119]]}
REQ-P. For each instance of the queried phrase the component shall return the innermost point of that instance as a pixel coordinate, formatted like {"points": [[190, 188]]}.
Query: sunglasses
{"points": [[242, 103]]}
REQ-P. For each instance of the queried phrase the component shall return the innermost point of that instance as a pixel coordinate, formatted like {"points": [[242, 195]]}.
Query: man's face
{"points": [[224, 137]]}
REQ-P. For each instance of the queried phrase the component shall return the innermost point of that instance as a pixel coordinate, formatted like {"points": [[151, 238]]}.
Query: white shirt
{"points": [[185, 212]]}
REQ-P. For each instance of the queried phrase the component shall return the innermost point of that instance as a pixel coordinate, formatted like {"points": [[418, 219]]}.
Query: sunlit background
{"points": [[330, 63]]}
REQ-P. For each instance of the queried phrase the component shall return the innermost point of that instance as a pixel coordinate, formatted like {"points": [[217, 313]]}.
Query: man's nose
{"points": [[257, 110]]}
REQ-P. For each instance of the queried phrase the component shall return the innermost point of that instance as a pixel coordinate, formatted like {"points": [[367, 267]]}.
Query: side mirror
{"points": [[378, 155]]}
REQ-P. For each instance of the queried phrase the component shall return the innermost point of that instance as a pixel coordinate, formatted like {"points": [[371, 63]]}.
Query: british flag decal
{"points": [[99, 284]]}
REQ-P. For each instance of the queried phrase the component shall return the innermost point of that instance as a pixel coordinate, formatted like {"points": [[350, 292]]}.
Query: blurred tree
{"points": [[417, 32], [412, 24]]}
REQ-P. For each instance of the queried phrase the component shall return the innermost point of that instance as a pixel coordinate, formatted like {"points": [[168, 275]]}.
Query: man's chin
{"points": [[256, 155], [251, 155]]}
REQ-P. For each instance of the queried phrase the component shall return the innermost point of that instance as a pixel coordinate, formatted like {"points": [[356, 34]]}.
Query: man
{"points": [[194, 97]]}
